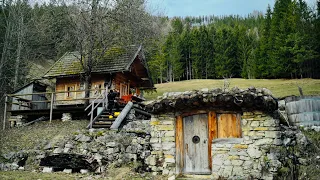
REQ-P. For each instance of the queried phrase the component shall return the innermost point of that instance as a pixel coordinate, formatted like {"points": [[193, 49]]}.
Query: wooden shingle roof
{"points": [[116, 59]]}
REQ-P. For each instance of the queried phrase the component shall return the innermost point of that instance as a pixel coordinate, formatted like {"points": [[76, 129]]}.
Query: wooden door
{"points": [[195, 133]]}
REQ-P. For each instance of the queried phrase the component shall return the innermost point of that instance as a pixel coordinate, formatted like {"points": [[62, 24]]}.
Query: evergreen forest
{"points": [[282, 43]]}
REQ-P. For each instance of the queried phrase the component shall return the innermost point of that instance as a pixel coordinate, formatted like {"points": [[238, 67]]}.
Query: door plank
{"points": [[179, 144], [213, 133], [188, 147]]}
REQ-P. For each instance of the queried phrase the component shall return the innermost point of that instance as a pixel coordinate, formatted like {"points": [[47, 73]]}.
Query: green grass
{"points": [[279, 87], [26, 175], [38, 134]]}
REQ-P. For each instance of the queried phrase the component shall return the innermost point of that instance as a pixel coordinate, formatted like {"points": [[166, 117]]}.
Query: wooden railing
{"points": [[9, 98], [104, 102]]}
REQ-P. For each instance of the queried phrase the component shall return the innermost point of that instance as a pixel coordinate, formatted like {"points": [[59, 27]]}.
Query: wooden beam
{"points": [[179, 145], [5, 113], [51, 106], [213, 133], [116, 124]]}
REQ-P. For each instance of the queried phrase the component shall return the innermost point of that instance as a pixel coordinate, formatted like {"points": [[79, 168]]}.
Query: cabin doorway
{"points": [[196, 139]]}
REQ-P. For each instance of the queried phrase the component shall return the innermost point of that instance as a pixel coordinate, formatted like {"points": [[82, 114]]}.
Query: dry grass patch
{"points": [[38, 134], [279, 87]]}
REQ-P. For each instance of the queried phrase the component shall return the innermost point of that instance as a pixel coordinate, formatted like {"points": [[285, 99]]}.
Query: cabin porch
{"points": [[16, 105]]}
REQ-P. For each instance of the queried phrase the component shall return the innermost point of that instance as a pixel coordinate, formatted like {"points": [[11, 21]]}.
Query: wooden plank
{"points": [[188, 145], [213, 133], [51, 106], [5, 112], [229, 126], [201, 148], [179, 145], [122, 115]]}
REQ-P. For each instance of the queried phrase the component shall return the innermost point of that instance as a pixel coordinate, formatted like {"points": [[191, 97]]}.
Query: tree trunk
{"points": [[19, 48], [87, 87], [5, 48]]}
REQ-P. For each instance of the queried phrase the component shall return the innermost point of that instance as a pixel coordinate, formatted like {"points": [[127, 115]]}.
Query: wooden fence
{"points": [[28, 103]]}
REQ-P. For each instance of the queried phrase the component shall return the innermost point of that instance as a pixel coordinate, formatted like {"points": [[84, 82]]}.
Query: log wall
{"points": [[303, 111]]}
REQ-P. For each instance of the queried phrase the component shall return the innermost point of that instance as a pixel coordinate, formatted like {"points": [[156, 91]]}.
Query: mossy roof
{"points": [[116, 59]]}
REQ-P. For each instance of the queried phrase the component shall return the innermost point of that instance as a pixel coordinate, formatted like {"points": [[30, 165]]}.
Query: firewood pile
{"points": [[215, 99]]}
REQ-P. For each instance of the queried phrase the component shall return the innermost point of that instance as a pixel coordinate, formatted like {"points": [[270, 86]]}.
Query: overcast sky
{"points": [[184, 8]]}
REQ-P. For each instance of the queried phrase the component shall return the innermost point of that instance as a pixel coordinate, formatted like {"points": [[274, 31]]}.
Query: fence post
{"points": [[51, 107], [5, 112], [91, 117]]}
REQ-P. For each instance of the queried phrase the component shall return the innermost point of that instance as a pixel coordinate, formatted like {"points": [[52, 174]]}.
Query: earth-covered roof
{"points": [[115, 59], [215, 99]]}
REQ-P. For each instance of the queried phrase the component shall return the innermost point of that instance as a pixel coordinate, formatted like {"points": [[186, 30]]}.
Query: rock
{"points": [[82, 138], [263, 141], [227, 171], [172, 177], [286, 141], [236, 162], [48, 146], [253, 152], [14, 166], [68, 171], [97, 157], [66, 117], [57, 151], [66, 150], [68, 145], [302, 139], [218, 159], [84, 171], [100, 169], [47, 170], [316, 128], [9, 155], [111, 144]]}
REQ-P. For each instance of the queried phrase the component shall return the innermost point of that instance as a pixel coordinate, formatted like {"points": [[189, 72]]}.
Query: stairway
{"points": [[104, 121]]}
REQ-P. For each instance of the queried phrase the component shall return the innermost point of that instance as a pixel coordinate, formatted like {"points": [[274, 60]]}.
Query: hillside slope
{"points": [[279, 87]]}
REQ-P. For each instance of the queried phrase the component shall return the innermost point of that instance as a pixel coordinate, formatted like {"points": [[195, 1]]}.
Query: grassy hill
{"points": [[279, 87]]}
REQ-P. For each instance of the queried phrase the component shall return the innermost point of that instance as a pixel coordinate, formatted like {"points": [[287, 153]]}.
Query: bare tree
{"points": [[99, 24]]}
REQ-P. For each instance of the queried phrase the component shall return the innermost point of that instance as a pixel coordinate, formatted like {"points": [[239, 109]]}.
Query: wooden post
{"points": [[91, 117], [51, 107], [5, 112]]}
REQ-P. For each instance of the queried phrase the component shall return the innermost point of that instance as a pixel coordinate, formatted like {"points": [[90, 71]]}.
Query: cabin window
{"points": [[229, 126], [68, 89], [123, 89]]}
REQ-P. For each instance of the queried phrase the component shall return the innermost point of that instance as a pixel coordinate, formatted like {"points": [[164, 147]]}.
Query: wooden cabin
{"points": [[122, 68], [28, 97], [125, 67]]}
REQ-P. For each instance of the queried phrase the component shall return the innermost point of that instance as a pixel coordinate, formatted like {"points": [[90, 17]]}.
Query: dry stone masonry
{"points": [[152, 143]]}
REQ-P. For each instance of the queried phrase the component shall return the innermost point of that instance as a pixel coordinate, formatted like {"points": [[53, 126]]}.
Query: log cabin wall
{"points": [[236, 144], [74, 84], [122, 82]]}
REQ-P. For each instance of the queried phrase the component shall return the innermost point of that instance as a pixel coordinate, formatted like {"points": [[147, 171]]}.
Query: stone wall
{"points": [[252, 155], [162, 158], [130, 145]]}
